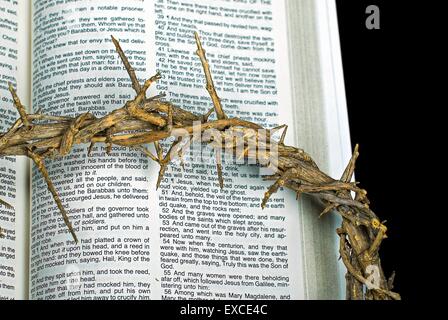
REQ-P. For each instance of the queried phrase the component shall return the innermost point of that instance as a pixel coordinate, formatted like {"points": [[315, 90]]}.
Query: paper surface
{"points": [[14, 62], [189, 239]]}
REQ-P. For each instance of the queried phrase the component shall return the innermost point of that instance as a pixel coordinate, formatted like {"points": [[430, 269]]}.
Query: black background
{"points": [[379, 71]]}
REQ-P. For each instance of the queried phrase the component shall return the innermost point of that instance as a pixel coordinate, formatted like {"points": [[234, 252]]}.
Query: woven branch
{"points": [[142, 121]]}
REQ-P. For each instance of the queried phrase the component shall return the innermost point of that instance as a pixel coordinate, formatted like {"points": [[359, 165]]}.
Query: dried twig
{"points": [[208, 76], [149, 120]]}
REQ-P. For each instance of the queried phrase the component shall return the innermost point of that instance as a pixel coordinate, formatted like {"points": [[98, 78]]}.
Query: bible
{"points": [[273, 63]]}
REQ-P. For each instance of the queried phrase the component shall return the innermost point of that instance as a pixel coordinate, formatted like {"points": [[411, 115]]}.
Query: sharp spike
{"points": [[6, 204], [38, 160], [19, 107]]}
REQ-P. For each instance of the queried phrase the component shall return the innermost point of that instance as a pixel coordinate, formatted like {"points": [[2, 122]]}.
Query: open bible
{"points": [[273, 63]]}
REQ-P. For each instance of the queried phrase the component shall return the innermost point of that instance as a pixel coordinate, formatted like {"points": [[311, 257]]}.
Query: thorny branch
{"points": [[144, 120]]}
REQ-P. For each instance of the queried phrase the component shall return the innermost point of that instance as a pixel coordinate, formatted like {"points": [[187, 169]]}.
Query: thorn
{"points": [[277, 184], [350, 169], [274, 130], [39, 162], [209, 80], [148, 153], [272, 189], [108, 147], [141, 96], [161, 174], [282, 138], [89, 152], [390, 281], [155, 77], [159, 151], [156, 97], [327, 209], [19, 106], [131, 72], [207, 115], [6, 204]]}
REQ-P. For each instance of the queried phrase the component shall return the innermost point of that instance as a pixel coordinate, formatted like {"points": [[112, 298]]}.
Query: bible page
{"points": [[189, 239], [14, 177]]}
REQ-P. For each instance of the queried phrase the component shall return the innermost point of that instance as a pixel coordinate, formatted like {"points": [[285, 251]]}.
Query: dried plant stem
{"points": [[208, 77], [145, 120], [39, 162]]}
